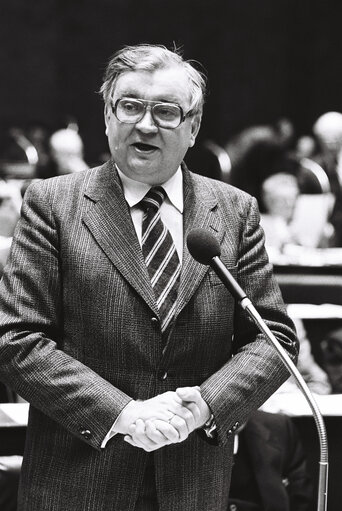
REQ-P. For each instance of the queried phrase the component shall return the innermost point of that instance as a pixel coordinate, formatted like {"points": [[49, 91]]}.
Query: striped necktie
{"points": [[160, 255]]}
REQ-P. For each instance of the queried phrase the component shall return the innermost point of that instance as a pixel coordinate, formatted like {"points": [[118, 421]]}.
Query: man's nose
{"points": [[146, 123]]}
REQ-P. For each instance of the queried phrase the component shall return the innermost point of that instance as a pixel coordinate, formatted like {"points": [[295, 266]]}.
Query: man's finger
{"points": [[155, 434], [194, 409], [141, 439], [167, 430], [181, 426], [189, 394]]}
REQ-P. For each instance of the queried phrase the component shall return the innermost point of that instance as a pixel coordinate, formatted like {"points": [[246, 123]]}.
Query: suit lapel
{"points": [[109, 221], [199, 212]]}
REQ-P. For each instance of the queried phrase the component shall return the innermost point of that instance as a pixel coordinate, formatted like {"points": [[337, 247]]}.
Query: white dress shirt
{"points": [[171, 210], [171, 213]]}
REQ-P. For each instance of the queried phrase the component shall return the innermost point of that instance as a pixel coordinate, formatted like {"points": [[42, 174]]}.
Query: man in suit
{"points": [[117, 382]]}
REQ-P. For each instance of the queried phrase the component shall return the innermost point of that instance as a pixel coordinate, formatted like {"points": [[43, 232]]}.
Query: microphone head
{"points": [[203, 245]]}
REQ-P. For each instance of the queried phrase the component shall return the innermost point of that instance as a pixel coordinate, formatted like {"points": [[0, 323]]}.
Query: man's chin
{"points": [[142, 171]]}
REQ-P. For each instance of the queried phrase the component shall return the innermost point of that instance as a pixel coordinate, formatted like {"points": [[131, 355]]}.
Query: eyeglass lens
{"points": [[164, 114]]}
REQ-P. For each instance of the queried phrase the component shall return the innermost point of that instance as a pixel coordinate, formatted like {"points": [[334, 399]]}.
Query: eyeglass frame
{"points": [[147, 103]]}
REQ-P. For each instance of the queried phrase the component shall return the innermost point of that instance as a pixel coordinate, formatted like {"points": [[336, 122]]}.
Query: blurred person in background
{"points": [[279, 194], [316, 378], [331, 347], [10, 203], [18, 156], [305, 147], [270, 470], [259, 151], [39, 134], [328, 132], [67, 151], [286, 213]]}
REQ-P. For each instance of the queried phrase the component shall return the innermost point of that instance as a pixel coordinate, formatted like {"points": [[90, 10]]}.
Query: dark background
{"points": [[265, 59]]}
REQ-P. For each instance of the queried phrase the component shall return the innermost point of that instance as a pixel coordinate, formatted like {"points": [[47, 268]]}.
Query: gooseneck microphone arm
{"points": [[204, 247]]}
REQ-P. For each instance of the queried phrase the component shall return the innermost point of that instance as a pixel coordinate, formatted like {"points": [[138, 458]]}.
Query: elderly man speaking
{"points": [[137, 363]]}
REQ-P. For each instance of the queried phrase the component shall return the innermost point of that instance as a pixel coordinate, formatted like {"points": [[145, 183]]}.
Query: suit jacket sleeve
{"points": [[33, 362]]}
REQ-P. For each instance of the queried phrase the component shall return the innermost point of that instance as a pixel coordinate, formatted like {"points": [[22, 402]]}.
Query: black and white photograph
{"points": [[170, 255]]}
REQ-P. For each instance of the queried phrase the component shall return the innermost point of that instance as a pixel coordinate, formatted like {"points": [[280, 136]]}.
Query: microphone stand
{"points": [[247, 305]]}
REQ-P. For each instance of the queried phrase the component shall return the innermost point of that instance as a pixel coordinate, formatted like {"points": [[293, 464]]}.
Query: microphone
{"points": [[205, 249]]}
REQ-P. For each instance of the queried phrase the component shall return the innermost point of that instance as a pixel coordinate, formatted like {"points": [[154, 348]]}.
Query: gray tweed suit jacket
{"points": [[78, 340]]}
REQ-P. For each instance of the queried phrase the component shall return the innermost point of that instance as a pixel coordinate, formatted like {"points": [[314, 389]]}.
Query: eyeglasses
{"points": [[164, 115]]}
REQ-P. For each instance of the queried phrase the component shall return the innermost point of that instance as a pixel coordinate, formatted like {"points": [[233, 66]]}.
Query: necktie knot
{"points": [[154, 198]]}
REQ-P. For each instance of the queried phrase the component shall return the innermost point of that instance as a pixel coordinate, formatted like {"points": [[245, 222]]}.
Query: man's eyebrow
{"points": [[158, 100], [168, 100], [129, 95]]}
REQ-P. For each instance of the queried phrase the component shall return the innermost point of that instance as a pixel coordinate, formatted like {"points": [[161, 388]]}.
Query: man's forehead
{"points": [[168, 83]]}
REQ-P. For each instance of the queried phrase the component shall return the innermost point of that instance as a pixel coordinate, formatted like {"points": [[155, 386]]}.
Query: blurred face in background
{"points": [[66, 148], [328, 130], [279, 195], [143, 150], [10, 202]]}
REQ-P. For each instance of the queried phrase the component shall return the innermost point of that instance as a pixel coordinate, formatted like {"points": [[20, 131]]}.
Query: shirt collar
{"points": [[134, 191]]}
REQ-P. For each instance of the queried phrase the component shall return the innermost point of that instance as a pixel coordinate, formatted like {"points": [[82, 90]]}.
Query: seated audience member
{"points": [[332, 359], [287, 212], [10, 467], [315, 377], [5, 245], [18, 156], [259, 151], [269, 471], [328, 132], [39, 135], [10, 203], [279, 194], [305, 147], [67, 151]]}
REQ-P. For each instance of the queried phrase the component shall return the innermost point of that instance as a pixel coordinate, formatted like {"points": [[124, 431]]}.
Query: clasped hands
{"points": [[164, 419]]}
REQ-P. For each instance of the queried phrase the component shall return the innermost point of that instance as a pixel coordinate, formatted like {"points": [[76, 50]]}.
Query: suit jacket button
{"points": [[86, 433], [162, 375], [229, 432], [155, 321]]}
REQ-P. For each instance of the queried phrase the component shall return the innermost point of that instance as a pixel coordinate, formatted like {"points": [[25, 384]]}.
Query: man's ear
{"points": [[106, 118], [195, 126]]}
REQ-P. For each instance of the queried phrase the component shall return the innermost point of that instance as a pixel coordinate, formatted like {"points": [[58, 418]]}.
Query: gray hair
{"points": [[146, 57]]}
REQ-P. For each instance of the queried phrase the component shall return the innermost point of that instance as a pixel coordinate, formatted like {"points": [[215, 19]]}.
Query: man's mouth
{"points": [[144, 148]]}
